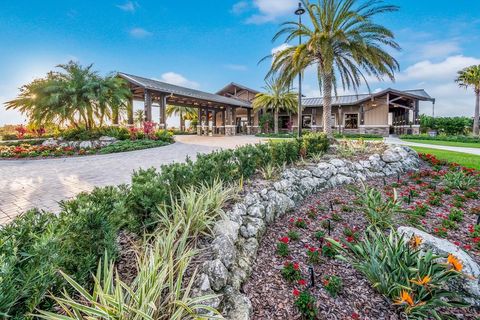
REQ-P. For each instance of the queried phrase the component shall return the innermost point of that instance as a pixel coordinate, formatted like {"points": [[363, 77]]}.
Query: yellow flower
{"points": [[415, 241], [405, 297], [422, 282], [454, 262]]}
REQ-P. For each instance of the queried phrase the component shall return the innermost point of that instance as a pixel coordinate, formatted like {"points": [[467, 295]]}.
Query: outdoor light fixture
{"points": [[312, 276], [299, 13], [331, 205]]}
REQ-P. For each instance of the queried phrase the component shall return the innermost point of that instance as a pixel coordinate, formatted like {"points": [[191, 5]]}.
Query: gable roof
{"points": [[231, 87], [163, 87], [419, 94]]}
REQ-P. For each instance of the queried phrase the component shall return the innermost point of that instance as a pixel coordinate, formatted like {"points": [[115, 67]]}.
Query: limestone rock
{"points": [[390, 155], [50, 143], [224, 249], [227, 228], [253, 227], [239, 306], [86, 145], [217, 274]]}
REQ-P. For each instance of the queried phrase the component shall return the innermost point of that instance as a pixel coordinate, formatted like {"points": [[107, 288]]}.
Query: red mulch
{"points": [[272, 296]]}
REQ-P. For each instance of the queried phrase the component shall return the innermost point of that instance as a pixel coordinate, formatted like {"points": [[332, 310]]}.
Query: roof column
{"points": [[162, 123], [147, 105], [199, 122], [130, 111]]}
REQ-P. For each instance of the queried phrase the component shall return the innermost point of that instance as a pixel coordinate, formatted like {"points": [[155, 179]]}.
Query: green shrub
{"points": [[333, 285], [164, 135], [291, 271], [314, 143], [459, 180], [284, 151], [305, 303], [447, 125], [128, 145], [450, 138], [415, 279], [82, 134]]}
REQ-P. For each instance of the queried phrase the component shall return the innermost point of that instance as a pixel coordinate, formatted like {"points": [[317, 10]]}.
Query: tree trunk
{"points": [[275, 120], [477, 114], [130, 112], [115, 113], [327, 104]]}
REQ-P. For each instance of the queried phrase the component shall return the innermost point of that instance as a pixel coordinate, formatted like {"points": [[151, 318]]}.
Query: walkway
{"points": [[394, 140], [25, 184]]}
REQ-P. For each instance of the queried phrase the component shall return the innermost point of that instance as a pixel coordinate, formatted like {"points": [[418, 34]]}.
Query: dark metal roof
{"points": [[347, 100], [229, 87], [163, 87]]}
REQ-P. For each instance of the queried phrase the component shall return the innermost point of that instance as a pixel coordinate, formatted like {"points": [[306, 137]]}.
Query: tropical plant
{"points": [[277, 97], [460, 180], [397, 268], [75, 96], [269, 171], [196, 208], [378, 211], [157, 292], [139, 117], [184, 113], [470, 77], [344, 44]]}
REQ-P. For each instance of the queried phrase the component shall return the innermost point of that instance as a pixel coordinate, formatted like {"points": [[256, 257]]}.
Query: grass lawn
{"points": [[446, 143], [464, 159]]}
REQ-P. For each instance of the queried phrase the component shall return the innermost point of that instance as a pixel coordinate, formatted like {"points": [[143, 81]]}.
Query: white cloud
{"points": [[139, 33], [437, 49], [281, 47], [128, 6], [270, 10], [240, 7], [427, 70], [236, 67], [179, 80]]}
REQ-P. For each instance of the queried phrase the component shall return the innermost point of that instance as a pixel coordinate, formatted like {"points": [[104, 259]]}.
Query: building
{"points": [[229, 111]]}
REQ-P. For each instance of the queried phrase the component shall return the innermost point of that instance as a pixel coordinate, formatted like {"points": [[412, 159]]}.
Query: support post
{"points": [[148, 105], [162, 123], [199, 124]]}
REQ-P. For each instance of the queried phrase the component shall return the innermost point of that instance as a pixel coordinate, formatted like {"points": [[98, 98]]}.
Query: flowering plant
{"points": [[291, 271], [313, 255], [300, 223], [333, 285], [282, 247], [305, 303], [21, 130]]}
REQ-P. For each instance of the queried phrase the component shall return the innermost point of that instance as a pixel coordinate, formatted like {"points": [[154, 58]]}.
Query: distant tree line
{"points": [[447, 125]]}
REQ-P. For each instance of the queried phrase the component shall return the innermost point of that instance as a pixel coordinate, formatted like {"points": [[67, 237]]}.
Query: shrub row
{"points": [[38, 244], [83, 134], [454, 138]]}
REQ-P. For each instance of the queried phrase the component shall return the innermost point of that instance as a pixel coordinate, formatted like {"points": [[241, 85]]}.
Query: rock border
{"points": [[87, 144], [236, 237]]}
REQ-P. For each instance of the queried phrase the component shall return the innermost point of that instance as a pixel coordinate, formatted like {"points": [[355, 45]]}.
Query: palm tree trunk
{"points": [[327, 103], [115, 114], [476, 129], [275, 120], [182, 121]]}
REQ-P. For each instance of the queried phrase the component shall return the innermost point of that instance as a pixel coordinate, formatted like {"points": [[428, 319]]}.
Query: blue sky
{"points": [[207, 44]]}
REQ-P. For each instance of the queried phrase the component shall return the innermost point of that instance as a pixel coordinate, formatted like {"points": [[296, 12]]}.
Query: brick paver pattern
{"points": [[26, 184]]}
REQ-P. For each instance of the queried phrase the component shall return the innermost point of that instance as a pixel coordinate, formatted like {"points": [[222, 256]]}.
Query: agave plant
{"points": [[158, 292], [396, 267]]}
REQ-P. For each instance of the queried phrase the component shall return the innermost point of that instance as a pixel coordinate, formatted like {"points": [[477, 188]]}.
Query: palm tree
{"points": [[75, 96], [184, 113], [277, 97], [139, 117], [342, 42], [470, 77]]}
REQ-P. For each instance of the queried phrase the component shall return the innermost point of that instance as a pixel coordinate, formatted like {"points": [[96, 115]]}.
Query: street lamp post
{"points": [[299, 13]]}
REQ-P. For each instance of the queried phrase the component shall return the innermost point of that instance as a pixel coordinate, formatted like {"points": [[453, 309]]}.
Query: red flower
{"points": [[311, 249], [355, 316], [302, 282], [292, 220], [296, 266], [284, 240], [467, 247], [350, 239], [456, 243], [476, 240], [296, 293]]}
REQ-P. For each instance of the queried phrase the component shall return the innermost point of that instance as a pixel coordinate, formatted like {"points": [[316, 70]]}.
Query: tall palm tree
{"points": [[184, 113], [470, 77], [342, 42], [277, 97]]}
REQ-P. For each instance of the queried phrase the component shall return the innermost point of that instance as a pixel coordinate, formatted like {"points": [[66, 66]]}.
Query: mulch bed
{"points": [[272, 296]]}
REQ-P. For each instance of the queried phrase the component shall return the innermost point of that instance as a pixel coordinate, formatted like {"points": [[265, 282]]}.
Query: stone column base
{"points": [[162, 126], [199, 130], [249, 130], [230, 130]]}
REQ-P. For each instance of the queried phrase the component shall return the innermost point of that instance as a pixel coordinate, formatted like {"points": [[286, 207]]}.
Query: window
{"points": [[333, 120], [307, 121], [351, 120]]}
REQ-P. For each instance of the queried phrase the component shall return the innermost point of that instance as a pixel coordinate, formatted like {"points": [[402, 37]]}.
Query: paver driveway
{"points": [[25, 184]]}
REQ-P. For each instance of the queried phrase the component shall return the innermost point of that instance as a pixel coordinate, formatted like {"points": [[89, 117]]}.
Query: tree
{"points": [[184, 113], [277, 97], [342, 42], [470, 77], [74, 96]]}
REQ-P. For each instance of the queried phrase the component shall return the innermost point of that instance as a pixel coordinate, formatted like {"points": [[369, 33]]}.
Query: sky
{"points": [[208, 44]]}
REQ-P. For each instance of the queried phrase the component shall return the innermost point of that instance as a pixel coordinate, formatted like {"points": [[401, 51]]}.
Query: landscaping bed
{"points": [[426, 203]]}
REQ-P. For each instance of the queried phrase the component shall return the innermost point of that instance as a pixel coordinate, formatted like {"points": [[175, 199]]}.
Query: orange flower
{"points": [[422, 282], [454, 262], [405, 297], [415, 241]]}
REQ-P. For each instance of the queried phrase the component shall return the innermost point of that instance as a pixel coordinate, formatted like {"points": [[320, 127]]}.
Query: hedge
{"points": [[458, 138], [38, 244]]}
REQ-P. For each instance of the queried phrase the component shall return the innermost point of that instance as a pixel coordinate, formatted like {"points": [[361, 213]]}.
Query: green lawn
{"points": [[446, 143], [464, 159]]}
